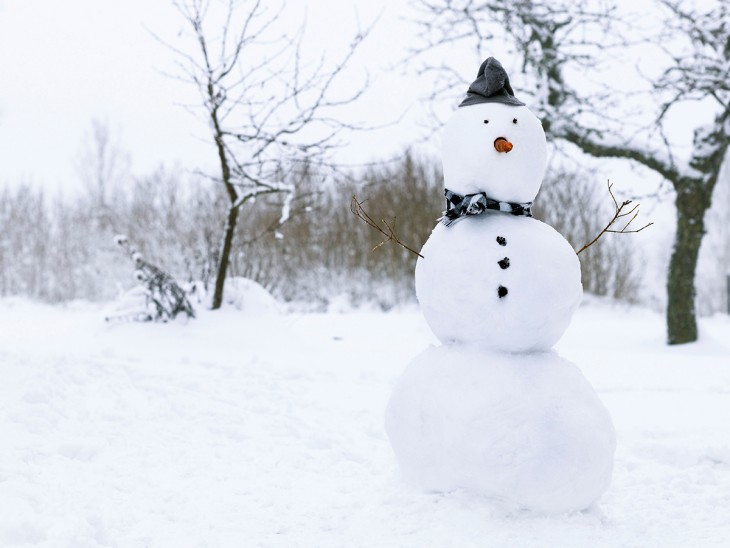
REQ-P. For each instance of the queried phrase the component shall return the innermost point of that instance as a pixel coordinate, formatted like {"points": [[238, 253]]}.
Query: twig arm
{"points": [[618, 214], [388, 231]]}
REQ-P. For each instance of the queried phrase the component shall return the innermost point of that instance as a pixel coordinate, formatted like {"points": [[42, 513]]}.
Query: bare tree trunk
{"points": [[220, 278], [681, 319], [232, 219]]}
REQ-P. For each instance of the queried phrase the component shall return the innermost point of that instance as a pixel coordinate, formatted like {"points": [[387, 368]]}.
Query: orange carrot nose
{"points": [[502, 144]]}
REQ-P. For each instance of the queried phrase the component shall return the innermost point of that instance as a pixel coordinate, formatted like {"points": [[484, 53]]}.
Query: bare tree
{"points": [[385, 227], [555, 38], [270, 108]]}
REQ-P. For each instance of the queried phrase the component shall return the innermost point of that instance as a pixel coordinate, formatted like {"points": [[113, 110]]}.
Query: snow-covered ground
{"points": [[244, 430]]}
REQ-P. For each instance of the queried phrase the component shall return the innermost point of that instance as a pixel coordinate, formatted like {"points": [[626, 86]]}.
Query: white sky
{"points": [[66, 63]]}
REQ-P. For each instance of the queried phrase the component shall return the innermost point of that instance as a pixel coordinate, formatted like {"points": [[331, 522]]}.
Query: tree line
{"points": [[58, 249]]}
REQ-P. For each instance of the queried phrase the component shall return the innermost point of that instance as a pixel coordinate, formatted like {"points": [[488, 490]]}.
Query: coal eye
{"points": [[486, 121], [514, 121]]}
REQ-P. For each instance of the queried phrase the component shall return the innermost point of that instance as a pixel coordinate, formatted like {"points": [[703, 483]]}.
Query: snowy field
{"points": [[245, 430]]}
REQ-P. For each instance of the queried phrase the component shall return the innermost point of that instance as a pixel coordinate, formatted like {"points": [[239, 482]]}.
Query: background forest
{"points": [[59, 249]]}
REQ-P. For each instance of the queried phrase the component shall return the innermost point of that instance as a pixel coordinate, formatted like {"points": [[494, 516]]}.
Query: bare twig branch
{"points": [[619, 213], [388, 231]]}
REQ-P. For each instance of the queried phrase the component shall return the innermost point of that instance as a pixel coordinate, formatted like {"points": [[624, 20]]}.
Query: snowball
{"points": [[525, 429], [464, 266], [471, 163]]}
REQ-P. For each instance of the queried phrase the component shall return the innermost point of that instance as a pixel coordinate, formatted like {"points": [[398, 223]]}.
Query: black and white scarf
{"points": [[458, 206]]}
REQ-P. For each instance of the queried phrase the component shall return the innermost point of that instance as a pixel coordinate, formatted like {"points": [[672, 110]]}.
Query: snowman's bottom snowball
{"points": [[527, 429]]}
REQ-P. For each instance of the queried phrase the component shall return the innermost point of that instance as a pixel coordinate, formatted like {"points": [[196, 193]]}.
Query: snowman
{"points": [[494, 410]]}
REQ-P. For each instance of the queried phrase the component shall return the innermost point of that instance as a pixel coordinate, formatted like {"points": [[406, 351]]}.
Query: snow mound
{"points": [[249, 296], [525, 429], [132, 305]]}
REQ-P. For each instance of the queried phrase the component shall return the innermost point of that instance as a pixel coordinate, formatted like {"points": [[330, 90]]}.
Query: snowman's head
{"points": [[493, 143], [475, 156]]}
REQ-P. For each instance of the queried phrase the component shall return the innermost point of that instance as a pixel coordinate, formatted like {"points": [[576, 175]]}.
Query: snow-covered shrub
{"points": [[158, 297]]}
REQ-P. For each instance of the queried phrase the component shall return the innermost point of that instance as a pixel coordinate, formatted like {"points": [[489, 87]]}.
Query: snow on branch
{"points": [[260, 188], [286, 206], [619, 214], [599, 147], [387, 229]]}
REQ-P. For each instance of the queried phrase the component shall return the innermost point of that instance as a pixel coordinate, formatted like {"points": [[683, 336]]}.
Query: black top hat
{"points": [[491, 86]]}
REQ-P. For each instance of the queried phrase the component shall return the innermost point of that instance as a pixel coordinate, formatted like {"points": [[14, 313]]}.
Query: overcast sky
{"points": [[64, 63]]}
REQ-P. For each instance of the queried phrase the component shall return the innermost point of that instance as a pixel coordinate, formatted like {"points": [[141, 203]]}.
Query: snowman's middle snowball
{"points": [[503, 282]]}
